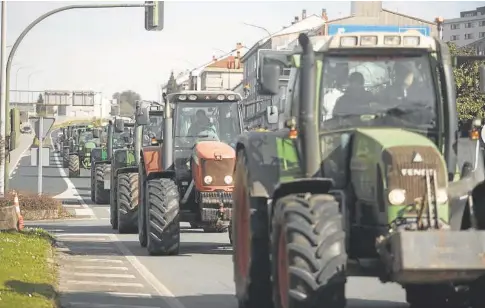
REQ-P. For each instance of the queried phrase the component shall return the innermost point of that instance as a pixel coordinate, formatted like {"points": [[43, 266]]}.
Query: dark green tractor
{"points": [[101, 169], [371, 182], [124, 183], [98, 154], [80, 150]]}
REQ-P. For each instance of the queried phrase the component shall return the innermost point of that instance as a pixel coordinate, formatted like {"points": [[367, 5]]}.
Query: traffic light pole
{"points": [[20, 39]]}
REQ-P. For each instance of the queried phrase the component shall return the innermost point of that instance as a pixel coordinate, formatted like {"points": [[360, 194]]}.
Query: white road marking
{"points": [[105, 283], [93, 305], [101, 260], [121, 294], [95, 267], [104, 275]]}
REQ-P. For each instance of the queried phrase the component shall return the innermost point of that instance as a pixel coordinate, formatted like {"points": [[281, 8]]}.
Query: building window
{"points": [[454, 38], [471, 14], [468, 36], [455, 26], [481, 35], [469, 25], [481, 23]]}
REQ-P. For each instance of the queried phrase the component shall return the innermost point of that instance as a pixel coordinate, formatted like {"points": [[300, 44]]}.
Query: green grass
{"points": [[27, 273]]}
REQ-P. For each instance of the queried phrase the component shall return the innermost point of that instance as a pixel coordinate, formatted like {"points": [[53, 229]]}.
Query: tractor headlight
{"points": [[207, 179], [228, 179], [397, 196], [441, 196], [80, 148]]}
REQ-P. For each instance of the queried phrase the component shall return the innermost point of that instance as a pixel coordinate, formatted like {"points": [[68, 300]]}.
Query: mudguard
{"points": [[152, 158], [272, 158], [160, 174], [133, 169]]}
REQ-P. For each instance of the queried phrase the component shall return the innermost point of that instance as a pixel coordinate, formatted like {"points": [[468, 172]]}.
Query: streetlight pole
{"points": [[259, 27], [3, 115], [21, 37], [17, 80]]}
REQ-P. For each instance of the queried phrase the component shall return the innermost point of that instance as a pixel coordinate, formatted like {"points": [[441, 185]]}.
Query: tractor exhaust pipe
{"points": [[110, 140], [307, 120], [167, 158]]}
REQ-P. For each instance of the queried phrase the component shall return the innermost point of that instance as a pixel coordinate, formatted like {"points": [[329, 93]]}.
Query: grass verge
{"points": [[27, 272]]}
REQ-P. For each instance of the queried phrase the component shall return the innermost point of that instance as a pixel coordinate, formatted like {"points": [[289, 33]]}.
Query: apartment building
{"points": [[467, 29]]}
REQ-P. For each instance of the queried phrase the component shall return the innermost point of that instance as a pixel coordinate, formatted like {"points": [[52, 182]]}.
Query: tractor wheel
{"points": [[93, 180], [127, 202], [74, 170], [65, 158], [230, 232], [163, 217], [308, 252], [142, 215], [101, 195]]}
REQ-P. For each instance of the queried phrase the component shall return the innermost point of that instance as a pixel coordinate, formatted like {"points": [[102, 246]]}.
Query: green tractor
{"points": [[101, 162], [369, 183], [80, 151], [124, 183], [98, 154], [125, 177]]}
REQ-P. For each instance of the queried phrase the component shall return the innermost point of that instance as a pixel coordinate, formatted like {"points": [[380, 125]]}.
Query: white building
{"points": [[466, 29], [221, 73]]}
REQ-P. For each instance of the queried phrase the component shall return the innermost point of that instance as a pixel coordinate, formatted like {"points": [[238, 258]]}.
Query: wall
{"points": [[220, 79], [456, 31]]}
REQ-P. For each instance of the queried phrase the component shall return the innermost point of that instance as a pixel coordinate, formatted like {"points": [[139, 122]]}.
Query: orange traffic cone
{"points": [[20, 219]]}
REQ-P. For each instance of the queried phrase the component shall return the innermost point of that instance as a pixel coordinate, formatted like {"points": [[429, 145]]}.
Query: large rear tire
{"points": [[308, 252], [74, 171], [163, 217], [65, 158], [142, 212], [127, 202], [101, 195]]}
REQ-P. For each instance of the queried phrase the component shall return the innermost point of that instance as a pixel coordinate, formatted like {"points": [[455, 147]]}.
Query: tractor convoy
{"points": [[362, 174]]}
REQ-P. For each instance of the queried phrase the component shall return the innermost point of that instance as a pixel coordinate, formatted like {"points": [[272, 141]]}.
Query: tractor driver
{"points": [[201, 123], [356, 98]]}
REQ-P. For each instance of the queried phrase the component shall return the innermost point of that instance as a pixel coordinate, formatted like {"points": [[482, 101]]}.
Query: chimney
{"points": [[214, 58], [239, 46], [324, 14], [303, 14], [297, 19]]}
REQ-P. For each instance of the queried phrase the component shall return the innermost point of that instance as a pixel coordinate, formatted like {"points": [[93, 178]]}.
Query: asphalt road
{"points": [[200, 277]]}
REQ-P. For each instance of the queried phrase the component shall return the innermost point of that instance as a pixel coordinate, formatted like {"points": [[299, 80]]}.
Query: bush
{"points": [[30, 202]]}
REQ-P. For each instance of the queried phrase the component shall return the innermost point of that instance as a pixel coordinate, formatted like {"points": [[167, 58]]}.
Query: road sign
{"points": [[338, 29], [46, 125]]}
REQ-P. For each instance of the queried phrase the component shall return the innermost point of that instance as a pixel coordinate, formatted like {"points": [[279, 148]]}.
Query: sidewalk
{"points": [[17, 154]]}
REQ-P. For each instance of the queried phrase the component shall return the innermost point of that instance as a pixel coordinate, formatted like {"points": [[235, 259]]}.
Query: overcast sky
{"points": [[109, 50]]}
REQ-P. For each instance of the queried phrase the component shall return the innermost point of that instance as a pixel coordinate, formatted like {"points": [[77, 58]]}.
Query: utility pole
{"points": [[3, 110], [154, 13]]}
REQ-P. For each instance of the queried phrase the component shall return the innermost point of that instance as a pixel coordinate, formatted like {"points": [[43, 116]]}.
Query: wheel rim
{"points": [[283, 283]]}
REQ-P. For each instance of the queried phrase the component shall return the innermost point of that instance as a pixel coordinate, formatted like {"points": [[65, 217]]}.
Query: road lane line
{"points": [[106, 284], [104, 275], [70, 186], [166, 295], [95, 267], [93, 305], [122, 294]]}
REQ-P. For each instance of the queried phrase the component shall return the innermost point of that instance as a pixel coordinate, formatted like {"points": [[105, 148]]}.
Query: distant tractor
{"points": [[188, 177]]}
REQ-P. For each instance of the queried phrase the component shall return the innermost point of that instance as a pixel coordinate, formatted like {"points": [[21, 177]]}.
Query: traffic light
{"points": [[154, 15]]}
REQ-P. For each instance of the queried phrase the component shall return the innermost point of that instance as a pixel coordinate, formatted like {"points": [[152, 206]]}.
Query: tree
{"points": [[126, 101], [469, 101], [40, 108]]}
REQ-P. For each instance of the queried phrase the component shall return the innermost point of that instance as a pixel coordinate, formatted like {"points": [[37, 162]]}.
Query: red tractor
{"points": [[188, 176]]}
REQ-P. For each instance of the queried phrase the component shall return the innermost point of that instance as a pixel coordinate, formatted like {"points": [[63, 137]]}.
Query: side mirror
{"points": [[96, 132], [270, 80], [272, 114], [142, 116], [481, 70], [119, 125]]}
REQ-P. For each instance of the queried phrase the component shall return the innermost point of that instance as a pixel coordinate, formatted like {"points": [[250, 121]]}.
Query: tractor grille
{"points": [[218, 169], [405, 174]]}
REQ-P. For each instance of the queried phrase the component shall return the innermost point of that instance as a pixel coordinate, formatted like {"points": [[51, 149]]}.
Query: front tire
{"points": [[101, 195], [127, 202], [163, 217], [142, 215], [74, 170], [308, 252], [65, 158]]}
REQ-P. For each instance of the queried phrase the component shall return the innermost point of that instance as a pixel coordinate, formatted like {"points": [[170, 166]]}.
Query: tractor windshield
{"points": [[206, 121], [153, 129], [375, 91]]}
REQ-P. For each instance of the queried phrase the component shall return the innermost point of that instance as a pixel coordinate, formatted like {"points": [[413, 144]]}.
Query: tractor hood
{"points": [[388, 138], [214, 150], [89, 145]]}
